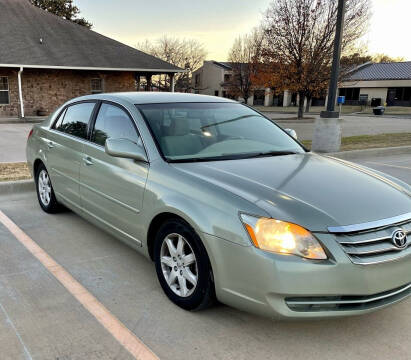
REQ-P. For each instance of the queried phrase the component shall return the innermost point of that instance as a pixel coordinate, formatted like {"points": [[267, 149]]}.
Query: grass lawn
{"points": [[371, 141], [14, 171]]}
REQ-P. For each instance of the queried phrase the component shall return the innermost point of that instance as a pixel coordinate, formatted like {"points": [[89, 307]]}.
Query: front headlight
{"points": [[282, 237]]}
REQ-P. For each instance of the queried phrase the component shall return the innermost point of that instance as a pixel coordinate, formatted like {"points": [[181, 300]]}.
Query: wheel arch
{"points": [[156, 222], [36, 165]]}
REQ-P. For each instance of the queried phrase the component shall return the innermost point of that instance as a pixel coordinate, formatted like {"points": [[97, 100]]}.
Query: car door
{"points": [[112, 188], [65, 144]]}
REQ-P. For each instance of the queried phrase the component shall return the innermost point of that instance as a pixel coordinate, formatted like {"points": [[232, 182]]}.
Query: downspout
{"points": [[172, 81], [20, 92]]}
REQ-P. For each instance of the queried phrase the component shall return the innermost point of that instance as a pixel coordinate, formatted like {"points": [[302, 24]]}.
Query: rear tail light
{"points": [[30, 133]]}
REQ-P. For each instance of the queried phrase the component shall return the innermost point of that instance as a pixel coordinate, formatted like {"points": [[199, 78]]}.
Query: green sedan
{"points": [[227, 204]]}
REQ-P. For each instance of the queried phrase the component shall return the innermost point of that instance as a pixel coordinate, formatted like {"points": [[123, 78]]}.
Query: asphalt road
{"points": [[351, 125], [40, 319]]}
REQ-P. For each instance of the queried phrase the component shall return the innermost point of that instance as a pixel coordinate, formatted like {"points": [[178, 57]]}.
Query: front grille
{"points": [[376, 246], [347, 303]]}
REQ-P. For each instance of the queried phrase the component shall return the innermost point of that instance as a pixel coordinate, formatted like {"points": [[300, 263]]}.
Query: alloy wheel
{"points": [[179, 265], [44, 186]]}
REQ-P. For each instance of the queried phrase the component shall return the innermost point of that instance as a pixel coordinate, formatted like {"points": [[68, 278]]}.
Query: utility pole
{"points": [[335, 69], [327, 130]]}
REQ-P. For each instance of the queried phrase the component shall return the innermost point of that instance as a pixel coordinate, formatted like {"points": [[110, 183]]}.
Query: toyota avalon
{"points": [[227, 204]]}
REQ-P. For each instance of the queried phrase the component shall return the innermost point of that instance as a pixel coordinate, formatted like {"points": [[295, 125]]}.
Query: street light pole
{"points": [[335, 69], [327, 130]]}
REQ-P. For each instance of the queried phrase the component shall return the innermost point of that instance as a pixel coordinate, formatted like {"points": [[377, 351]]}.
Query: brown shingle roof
{"points": [[64, 44]]}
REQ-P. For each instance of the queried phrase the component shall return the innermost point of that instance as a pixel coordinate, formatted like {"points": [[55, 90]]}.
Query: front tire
{"points": [[183, 267], [45, 192]]}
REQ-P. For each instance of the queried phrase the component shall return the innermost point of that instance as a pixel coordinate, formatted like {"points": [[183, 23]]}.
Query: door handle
{"points": [[50, 144], [87, 161]]}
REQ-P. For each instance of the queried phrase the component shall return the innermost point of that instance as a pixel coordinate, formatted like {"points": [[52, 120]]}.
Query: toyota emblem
{"points": [[399, 238]]}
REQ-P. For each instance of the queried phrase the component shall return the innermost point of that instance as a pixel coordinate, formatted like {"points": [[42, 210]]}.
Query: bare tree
{"points": [[188, 54], [244, 57], [299, 37], [384, 58]]}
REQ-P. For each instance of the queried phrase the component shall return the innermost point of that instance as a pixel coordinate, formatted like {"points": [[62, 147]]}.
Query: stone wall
{"points": [[48, 89]]}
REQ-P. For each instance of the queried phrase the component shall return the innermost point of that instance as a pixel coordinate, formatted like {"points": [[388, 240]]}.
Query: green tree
{"points": [[63, 8]]}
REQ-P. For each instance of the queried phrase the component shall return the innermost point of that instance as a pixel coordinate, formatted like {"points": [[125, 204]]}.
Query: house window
{"points": [[216, 92], [4, 90], [350, 93], [227, 77], [96, 86]]}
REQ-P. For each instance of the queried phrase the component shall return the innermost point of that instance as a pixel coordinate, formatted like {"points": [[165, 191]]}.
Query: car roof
{"points": [[156, 97]]}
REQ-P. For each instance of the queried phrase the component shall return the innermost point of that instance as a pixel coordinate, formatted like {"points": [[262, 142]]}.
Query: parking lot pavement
{"points": [[39, 317], [13, 139], [351, 125]]}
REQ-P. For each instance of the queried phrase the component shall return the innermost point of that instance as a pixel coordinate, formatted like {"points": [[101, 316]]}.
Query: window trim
{"points": [[62, 113], [8, 91]]}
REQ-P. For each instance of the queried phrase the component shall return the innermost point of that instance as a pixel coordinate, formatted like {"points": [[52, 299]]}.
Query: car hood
{"points": [[308, 189]]}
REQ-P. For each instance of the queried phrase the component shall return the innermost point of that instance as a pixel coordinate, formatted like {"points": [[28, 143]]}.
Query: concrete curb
{"points": [[357, 154], [8, 187]]}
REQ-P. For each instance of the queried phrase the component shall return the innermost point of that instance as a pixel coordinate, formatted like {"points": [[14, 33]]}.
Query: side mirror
{"points": [[125, 148], [292, 133]]}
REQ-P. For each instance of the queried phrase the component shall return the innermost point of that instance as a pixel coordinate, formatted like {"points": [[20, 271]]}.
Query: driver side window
{"points": [[113, 122]]}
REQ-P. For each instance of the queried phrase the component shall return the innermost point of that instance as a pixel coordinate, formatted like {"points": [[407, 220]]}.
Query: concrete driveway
{"points": [[40, 319], [13, 139]]}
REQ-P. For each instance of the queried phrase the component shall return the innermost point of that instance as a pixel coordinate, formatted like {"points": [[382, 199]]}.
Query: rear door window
{"points": [[75, 119]]}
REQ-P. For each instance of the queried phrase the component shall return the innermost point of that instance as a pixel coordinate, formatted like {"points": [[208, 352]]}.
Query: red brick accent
{"points": [[48, 89]]}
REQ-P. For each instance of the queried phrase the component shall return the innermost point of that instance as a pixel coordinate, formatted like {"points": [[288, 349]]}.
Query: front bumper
{"points": [[261, 282]]}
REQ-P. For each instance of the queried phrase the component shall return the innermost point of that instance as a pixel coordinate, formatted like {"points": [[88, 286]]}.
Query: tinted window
{"points": [[75, 119], [113, 122]]}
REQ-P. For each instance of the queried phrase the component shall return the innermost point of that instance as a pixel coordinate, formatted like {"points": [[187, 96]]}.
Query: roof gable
{"points": [[64, 43]]}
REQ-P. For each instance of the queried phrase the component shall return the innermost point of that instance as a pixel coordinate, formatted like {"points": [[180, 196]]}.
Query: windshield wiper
{"points": [[271, 153], [231, 156]]}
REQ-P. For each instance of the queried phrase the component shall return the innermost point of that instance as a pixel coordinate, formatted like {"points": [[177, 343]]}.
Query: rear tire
{"points": [[45, 192], [183, 267]]}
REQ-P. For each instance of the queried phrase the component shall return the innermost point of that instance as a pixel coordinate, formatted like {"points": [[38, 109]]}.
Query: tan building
{"points": [[46, 60], [386, 83], [210, 79]]}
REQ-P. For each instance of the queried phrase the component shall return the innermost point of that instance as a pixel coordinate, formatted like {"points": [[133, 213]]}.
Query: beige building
{"points": [[370, 84], [210, 79], [382, 83]]}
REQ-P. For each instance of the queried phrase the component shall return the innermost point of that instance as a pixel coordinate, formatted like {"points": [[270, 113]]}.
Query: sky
{"points": [[216, 23]]}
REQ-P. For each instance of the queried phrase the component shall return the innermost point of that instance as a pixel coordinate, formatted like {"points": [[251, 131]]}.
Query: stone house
{"points": [[46, 60]]}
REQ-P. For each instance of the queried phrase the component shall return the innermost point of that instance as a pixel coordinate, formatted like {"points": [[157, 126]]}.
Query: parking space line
{"points": [[390, 165], [113, 325]]}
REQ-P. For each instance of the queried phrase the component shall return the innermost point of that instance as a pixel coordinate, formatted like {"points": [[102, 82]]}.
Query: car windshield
{"points": [[214, 131]]}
